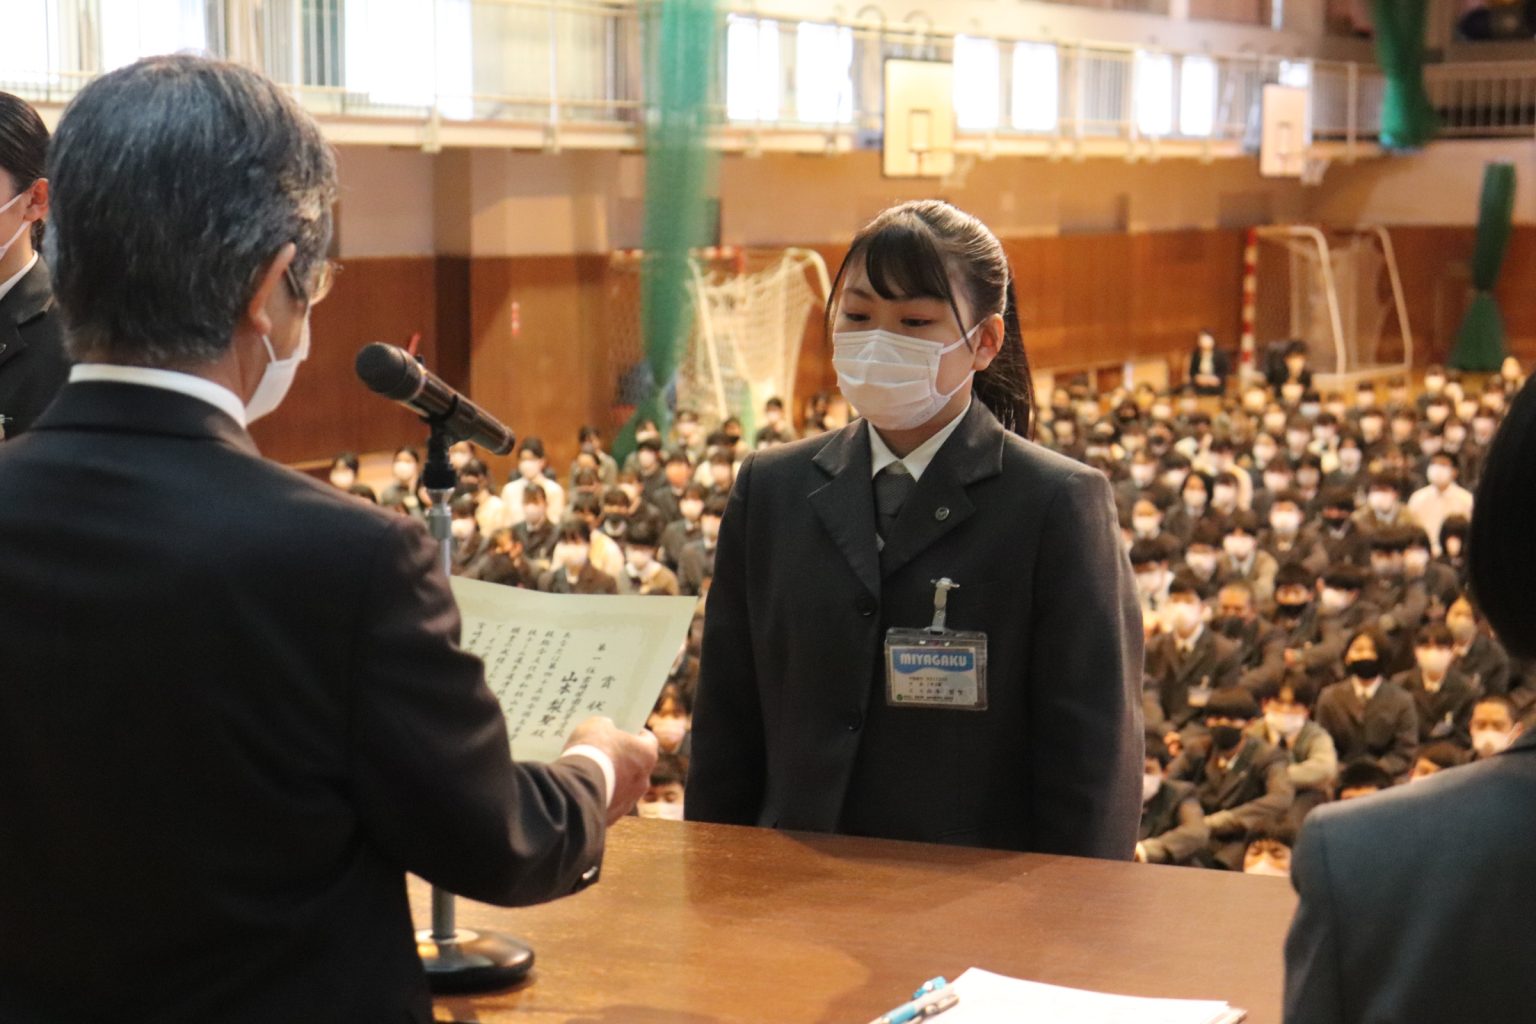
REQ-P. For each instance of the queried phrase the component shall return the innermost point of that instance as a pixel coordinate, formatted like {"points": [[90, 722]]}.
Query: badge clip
{"points": [[941, 603]]}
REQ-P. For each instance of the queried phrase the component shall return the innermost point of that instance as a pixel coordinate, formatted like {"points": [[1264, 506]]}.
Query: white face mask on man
{"points": [[892, 379], [277, 376]]}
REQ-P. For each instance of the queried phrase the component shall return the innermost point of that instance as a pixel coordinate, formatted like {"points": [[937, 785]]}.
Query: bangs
{"points": [[904, 262]]}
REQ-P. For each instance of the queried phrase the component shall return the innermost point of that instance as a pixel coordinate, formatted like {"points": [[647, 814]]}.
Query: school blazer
{"points": [[791, 724], [33, 366], [1415, 903]]}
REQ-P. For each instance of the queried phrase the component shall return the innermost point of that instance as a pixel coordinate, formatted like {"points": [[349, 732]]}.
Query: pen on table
{"points": [[929, 1001]]}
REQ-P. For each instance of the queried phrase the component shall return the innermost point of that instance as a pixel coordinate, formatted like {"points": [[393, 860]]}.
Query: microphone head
{"points": [[388, 370]]}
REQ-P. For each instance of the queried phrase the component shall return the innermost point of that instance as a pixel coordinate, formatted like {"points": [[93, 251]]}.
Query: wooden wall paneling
{"points": [[329, 410], [549, 378], [453, 321]]}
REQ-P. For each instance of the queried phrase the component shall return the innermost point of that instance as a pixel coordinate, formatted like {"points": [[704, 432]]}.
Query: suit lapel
{"points": [[31, 297], [939, 504], [1236, 771], [845, 504]]}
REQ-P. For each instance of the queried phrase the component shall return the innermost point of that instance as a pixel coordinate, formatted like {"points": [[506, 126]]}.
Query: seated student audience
{"points": [[469, 545], [1269, 852], [1444, 697], [1478, 656], [1494, 726], [1312, 759], [1189, 661], [696, 561], [532, 468], [404, 489], [1369, 717], [537, 533], [664, 798], [1435, 758], [1242, 783], [1360, 779], [506, 563], [672, 720], [643, 572], [572, 571], [1173, 829]]}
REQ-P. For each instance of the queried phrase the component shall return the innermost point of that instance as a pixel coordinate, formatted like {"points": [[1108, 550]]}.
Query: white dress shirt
{"points": [[15, 279], [918, 459], [200, 388], [1365, 693]]}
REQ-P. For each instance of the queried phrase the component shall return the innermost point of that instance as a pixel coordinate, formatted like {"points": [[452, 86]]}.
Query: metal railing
{"points": [[1484, 100], [554, 66]]}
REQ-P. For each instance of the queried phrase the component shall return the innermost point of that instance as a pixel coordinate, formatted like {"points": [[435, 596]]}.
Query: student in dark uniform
{"points": [[830, 543], [33, 366]]}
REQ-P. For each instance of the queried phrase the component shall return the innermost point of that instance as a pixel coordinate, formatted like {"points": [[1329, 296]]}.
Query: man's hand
{"points": [[633, 758]]}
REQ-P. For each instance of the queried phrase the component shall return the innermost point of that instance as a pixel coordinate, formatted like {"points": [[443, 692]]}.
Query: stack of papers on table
{"points": [[987, 998]]}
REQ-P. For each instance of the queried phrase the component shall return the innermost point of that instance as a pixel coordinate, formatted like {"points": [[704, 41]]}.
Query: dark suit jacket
{"points": [[695, 563], [1487, 663], [1385, 730], [1173, 825], [589, 581], [33, 366], [234, 715], [1414, 902], [1446, 713], [1221, 366], [791, 727], [1214, 661]]}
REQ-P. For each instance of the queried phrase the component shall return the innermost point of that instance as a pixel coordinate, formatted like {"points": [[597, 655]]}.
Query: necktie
{"points": [[893, 486]]}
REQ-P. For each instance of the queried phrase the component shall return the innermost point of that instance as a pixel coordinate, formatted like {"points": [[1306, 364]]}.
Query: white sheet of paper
{"points": [[987, 998], [554, 660]]}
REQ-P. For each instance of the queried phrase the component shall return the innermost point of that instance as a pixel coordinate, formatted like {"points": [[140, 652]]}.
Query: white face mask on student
{"points": [[26, 225], [277, 376], [891, 379], [659, 809]]}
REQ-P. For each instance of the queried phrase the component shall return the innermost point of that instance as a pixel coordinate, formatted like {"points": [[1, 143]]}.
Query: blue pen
{"points": [[930, 1000]]}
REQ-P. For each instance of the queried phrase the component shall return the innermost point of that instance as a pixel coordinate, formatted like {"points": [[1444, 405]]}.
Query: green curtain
{"points": [[681, 42], [1407, 119], [1480, 344]]}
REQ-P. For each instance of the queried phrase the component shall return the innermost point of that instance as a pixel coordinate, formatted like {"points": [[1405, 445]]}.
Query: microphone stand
{"points": [[458, 959]]}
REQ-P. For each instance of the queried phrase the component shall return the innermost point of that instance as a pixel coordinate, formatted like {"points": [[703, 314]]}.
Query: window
{"points": [[150, 27], [26, 60], [751, 69], [1197, 97], [1296, 73], [384, 54], [978, 87], [1036, 87], [1154, 93], [823, 73]]}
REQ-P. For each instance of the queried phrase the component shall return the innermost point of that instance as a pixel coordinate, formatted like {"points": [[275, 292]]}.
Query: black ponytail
{"points": [[1007, 387]]}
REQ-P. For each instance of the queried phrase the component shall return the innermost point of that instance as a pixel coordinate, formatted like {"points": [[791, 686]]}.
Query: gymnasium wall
{"points": [[500, 261]]}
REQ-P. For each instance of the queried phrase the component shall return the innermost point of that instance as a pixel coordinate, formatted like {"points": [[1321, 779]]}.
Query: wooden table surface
{"points": [[712, 924]]}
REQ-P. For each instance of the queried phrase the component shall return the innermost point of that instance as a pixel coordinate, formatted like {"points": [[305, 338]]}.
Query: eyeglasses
{"points": [[325, 279]]}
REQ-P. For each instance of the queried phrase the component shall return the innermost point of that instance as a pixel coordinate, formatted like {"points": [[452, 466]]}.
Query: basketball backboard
{"points": [[919, 119]]}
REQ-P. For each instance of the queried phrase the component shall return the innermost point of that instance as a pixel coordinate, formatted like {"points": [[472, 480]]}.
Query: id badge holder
{"points": [[936, 667], [1200, 696]]}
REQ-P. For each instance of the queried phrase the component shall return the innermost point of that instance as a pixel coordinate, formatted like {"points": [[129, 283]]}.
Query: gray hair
{"points": [[175, 181]]}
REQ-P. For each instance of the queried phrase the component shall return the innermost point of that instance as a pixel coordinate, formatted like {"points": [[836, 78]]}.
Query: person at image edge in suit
{"points": [[1414, 902], [33, 365], [234, 709], [827, 543]]}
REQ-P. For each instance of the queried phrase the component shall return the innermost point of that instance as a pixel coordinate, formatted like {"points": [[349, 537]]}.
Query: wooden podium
{"points": [[713, 924]]}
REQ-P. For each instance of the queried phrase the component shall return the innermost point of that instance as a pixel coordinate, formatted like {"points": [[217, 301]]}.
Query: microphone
{"points": [[390, 371]]}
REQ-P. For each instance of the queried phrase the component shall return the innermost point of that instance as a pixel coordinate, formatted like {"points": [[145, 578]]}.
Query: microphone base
{"points": [[473, 961]]}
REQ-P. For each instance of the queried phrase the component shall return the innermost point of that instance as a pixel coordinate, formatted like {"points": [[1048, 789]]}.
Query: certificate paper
{"points": [[554, 660]]}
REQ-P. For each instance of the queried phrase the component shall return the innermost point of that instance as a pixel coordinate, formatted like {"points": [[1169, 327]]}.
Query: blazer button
{"points": [[854, 721], [867, 606], [941, 514]]}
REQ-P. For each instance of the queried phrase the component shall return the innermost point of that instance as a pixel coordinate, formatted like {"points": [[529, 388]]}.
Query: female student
{"points": [[1021, 727]]}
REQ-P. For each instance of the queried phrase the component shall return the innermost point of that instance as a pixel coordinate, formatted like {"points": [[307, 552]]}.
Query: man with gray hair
{"points": [[233, 711]]}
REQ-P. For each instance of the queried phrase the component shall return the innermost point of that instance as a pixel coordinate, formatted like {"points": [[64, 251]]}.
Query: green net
{"points": [[1407, 119], [1480, 343], [681, 41]]}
